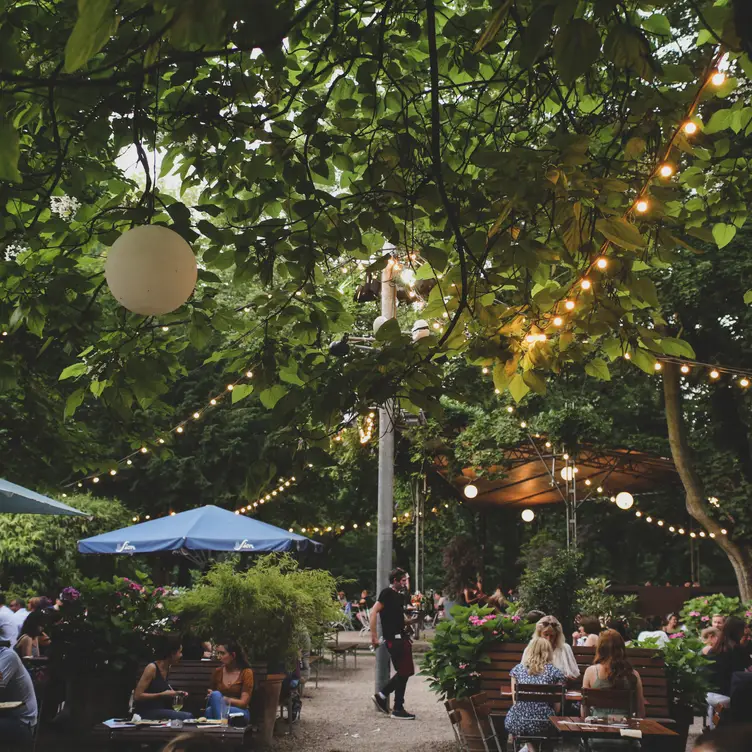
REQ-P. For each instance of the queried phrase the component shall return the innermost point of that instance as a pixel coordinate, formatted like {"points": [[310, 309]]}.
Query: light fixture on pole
{"points": [[567, 473], [528, 515], [624, 500], [470, 491]]}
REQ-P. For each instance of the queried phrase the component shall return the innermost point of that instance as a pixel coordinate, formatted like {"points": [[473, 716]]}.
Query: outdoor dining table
{"points": [[601, 728], [220, 735], [7, 707], [573, 695]]}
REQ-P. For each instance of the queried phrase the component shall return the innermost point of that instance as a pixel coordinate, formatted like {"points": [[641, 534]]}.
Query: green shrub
{"points": [[595, 600], [262, 608], [697, 613], [461, 647]]}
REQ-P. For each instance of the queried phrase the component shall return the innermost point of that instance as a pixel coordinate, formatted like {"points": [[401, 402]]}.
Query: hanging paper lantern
{"points": [[151, 270]]}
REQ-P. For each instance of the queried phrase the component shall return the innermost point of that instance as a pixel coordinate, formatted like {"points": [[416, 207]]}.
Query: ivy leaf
{"points": [[77, 369], [518, 388], [723, 234], [269, 397], [598, 368], [677, 347], [644, 361], [621, 232], [95, 24], [73, 403], [241, 391], [576, 47], [9, 153]]}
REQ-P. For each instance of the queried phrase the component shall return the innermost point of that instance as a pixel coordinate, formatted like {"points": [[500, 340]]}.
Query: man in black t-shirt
{"points": [[390, 606]]}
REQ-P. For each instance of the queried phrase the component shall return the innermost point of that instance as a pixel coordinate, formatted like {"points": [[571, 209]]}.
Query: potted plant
{"points": [[264, 609], [462, 645], [697, 613], [687, 679], [100, 635]]}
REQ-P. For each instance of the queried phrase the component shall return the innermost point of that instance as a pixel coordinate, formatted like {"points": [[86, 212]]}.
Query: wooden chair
{"points": [[549, 694], [455, 718], [623, 701], [481, 706]]}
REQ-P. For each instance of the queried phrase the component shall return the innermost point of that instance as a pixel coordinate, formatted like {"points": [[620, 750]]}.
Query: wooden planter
{"points": [[91, 699], [266, 695], [684, 717]]}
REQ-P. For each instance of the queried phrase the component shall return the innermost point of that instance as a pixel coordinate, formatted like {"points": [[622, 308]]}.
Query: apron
{"points": [[401, 653]]}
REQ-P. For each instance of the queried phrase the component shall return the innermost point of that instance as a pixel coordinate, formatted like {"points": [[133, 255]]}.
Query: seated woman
{"points": [[531, 718], [728, 656], [612, 670], [27, 645], [154, 695], [709, 636], [232, 683], [549, 627], [587, 632]]}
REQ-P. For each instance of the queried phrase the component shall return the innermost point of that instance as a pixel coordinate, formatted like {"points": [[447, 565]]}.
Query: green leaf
{"points": [[518, 388], [389, 331], [536, 382], [73, 402], [643, 361], [723, 234], [748, 296], [576, 47], [95, 24], [494, 25], [621, 232], [677, 347], [241, 391], [77, 369], [598, 368], [9, 153], [628, 48], [634, 147], [269, 397]]}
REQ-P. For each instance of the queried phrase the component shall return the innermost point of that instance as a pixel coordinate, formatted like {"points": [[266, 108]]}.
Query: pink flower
{"points": [[516, 618], [463, 665], [494, 632], [705, 601], [705, 618], [676, 635], [694, 613]]}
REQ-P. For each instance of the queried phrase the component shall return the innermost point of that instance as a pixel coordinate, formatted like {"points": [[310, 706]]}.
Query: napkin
{"points": [[632, 733]]}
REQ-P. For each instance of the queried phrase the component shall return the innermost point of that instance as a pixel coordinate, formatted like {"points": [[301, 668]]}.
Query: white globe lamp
{"points": [[624, 500], [151, 270], [378, 322], [528, 515], [470, 491], [567, 472], [420, 330]]}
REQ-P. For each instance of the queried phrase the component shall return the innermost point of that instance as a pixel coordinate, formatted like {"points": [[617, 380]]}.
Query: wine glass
{"points": [[177, 701]]}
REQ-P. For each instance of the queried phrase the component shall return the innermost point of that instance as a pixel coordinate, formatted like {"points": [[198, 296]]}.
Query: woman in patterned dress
{"points": [[531, 718]]}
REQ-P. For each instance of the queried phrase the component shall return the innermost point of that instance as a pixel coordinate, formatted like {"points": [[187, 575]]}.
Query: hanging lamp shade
{"points": [[151, 270]]}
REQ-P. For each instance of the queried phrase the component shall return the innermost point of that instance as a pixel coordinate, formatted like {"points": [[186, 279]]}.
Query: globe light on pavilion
{"points": [[470, 491], [624, 500], [420, 330], [528, 515], [567, 473], [151, 270], [378, 322]]}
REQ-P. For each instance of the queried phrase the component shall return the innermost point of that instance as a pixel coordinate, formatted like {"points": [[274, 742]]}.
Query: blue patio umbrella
{"points": [[19, 500], [207, 528]]}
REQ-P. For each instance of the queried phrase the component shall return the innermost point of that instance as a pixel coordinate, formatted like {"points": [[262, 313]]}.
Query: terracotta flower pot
{"points": [[267, 692]]}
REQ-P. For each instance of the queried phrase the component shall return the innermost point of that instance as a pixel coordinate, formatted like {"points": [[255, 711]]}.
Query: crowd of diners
{"points": [[549, 659]]}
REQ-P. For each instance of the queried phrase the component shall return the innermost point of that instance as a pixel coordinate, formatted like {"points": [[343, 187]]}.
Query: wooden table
{"points": [[224, 736], [578, 726], [573, 695]]}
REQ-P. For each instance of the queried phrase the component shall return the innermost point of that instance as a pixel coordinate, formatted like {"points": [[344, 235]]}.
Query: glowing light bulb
{"points": [[212, 402], [179, 429], [161, 441], [129, 462], [666, 170], [714, 374], [249, 374], [470, 491], [672, 529], [530, 338], [528, 515], [693, 535], [144, 450], [95, 480], [599, 489], [625, 500], [569, 305], [601, 263], [341, 527], [744, 382], [627, 356], [649, 519], [566, 456], [642, 206], [510, 409], [230, 387], [523, 424], [690, 128], [586, 284], [638, 513], [548, 445], [718, 78], [684, 369], [724, 531], [196, 416], [484, 370], [657, 366], [558, 321], [680, 531], [165, 328], [660, 523], [113, 472], [702, 533], [588, 482]]}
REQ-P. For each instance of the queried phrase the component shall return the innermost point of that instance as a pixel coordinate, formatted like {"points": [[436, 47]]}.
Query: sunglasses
{"points": [[550, 624]]}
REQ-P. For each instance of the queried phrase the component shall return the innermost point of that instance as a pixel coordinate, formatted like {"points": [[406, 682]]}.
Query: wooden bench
{"points": [[648, 663], [134, 737], [193, 677]]}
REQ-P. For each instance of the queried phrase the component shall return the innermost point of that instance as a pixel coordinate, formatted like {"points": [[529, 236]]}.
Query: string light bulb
{"points": [[601, 263], [690, 127], [113, 472], [230, 387], [666, 170], [179, 429], [642, 206], [718, 78], [470, 491], [744, 382], [684, 369], [569, 305], [196, 416], [714, 374], [558, 321], [586, 284], [657, 366]]}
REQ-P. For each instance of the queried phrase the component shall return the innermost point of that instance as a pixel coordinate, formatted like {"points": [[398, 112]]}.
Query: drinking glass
{"points": [[177, 702]]}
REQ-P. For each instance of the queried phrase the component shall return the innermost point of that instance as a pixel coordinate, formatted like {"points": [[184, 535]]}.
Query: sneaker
{"points": [[403, 715], [381, 703]]}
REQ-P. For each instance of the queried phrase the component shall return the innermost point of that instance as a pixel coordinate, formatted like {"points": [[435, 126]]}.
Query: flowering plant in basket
{"points": [[461, 646]]}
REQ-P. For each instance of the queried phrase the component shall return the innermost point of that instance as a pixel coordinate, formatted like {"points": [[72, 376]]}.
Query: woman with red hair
{"points": [[612, 670]]}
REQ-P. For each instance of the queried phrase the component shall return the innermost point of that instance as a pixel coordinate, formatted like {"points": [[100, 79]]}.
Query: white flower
{"points": [[64, 206]]}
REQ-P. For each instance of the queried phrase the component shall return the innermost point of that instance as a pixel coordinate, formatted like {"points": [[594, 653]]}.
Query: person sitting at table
{"points": [[231, 683], [612, 670], [473, 594], [531, 718], [652, 630], [365, 600], [672, 625], [728, 656], [153, 693], [709, 636], [497, 600], [17, 724], [32, 629], [587, 632], [549, 627]]}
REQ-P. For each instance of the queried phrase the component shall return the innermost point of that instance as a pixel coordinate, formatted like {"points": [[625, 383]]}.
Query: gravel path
{"points": [[340, 716]]}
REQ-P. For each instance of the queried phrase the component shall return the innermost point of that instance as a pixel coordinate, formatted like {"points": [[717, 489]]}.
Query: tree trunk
{"points": [[740, 556]]}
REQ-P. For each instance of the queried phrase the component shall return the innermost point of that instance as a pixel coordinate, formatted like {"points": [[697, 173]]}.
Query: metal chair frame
{"points": [[549, 694]]}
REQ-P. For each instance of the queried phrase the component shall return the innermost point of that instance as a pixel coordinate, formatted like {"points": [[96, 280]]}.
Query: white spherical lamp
{"points": [[470, 491], [624, 500], [567, 472], [528, 515], [151, 270], [420, 330], [378, 322]]}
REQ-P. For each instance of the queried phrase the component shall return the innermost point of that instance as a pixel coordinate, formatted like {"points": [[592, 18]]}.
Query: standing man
{"points": [[391, 607]]}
